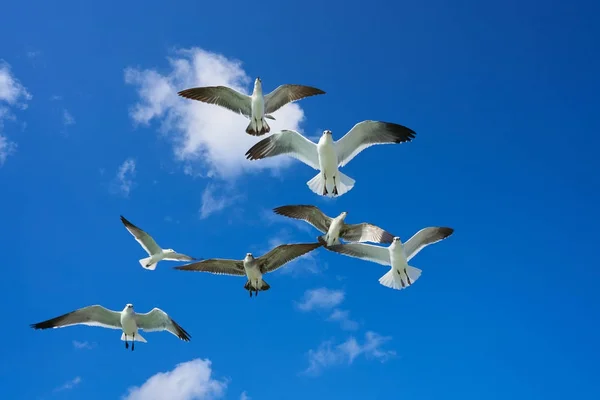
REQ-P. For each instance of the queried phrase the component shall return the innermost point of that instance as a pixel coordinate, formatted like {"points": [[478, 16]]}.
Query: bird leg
{"points": [[324, 185], [256, 292], [407, 277], [335, 191], [126, 344], [250, 291], [133, 341]]}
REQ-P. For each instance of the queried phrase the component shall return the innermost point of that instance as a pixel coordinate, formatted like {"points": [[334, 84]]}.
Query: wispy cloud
{"points": [[204, 135], [321, 298], [123, 181], [68, 119], [329, 354], [69, 385], [244, 396], [216, 198], [12, 95], [343, 318], [83, 345], [190, 380]]}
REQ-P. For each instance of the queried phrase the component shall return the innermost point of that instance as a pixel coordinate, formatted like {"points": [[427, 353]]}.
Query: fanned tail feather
{"points": [[344, 183], [397, 281], [144, 261], [258, 127], [138, 338], [317, 185]]}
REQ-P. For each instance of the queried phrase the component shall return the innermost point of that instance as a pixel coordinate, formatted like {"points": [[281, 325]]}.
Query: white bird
{"points": [[127, 320], [397, 256], [255, 107], [154, 251], [328, 156], [253, 268], [335, 228]]}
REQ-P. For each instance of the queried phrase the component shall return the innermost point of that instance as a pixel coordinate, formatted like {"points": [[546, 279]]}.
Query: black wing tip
{"points": [[446, 231], [44, 324], [181, 333], [402, 133]]}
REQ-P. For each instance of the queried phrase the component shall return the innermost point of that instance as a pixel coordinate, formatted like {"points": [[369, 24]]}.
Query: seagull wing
{"points": [[425, 237], [369, 252], [142, 237], [283, 254], [221, 96], [158, 320], [286, 142], [366, 134], [179, 257], [310, 214], [365, 233], [286, 94], [92, 316], [216, 266]]}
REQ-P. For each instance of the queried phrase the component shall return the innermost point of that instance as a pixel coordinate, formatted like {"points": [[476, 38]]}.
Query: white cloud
{"points": [[12, 94], [244, 396], [204, 135], [83, 345], [123, 182], [68, 118], [343, 317], [321, 298], [215, 198], [187, 381], [329, 354], [69, 385]]}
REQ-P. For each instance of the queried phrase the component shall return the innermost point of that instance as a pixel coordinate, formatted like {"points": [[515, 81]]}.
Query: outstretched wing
{"points": [[158, 320], [142, 237], [283, 254], [179, 257], [366, 134], [216, 266], [286, 142], [365, 233], [310, 214], [221, 96], [368, 252], [92, 316], [425, 237], [286, 94]]}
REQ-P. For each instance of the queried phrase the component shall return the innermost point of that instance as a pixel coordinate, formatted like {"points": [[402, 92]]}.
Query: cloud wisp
{"points": [[12, 95], [123, 182], [328, 300]]}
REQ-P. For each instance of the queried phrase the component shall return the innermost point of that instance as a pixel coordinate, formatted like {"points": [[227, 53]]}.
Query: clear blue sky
{"points": [[504, 99]]}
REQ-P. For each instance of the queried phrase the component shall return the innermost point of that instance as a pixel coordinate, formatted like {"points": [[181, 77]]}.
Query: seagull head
{"points": [[327, 132], [343, 214], [396, 240], [169, 251], [129, 307], [249, 256], [257, 82]]}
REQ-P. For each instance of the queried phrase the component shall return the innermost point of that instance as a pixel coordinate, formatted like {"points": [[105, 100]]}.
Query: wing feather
{"points": [[95, 315], [221, 96], [283, 254], [287, 142], [158, 320], [425, 237], [218, 266], [369, 252], [365, 232], [286, 94], [368, 133], [145, 240], [308, 213]]}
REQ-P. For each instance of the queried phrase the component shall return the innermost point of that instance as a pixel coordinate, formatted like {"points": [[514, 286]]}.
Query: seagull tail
{"points": [[317, 185], [258, 127], [393, 280], [138, 338], [344, 183], [144, 262]]}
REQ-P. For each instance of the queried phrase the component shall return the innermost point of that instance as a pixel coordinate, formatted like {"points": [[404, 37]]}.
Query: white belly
{"points": [[128, 324], [253, 274], [333, 233], [327, 159], [258, 106]]}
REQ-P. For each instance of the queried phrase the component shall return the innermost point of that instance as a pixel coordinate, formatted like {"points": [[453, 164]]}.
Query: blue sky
{"points": [[503, 97]]}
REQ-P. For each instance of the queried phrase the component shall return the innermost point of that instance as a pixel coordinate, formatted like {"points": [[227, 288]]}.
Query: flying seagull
{"points": [[253, 268], [327, 156], [255, 107], [335, 228], [127, 320], [154, 251], [401, 274]]}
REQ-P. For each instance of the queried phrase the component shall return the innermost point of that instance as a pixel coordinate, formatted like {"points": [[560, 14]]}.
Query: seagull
{"points": [[253, 268], [335, 228], [127, 320], [255, 107], [400, 275], [327, 156], [154, 251]]}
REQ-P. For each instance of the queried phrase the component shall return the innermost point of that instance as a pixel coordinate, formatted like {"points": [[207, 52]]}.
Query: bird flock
{"points": [[327, 157]]}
